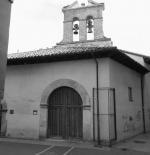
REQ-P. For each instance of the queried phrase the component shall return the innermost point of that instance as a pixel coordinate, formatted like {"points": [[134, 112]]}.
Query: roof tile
{"points": [[52, 51]]}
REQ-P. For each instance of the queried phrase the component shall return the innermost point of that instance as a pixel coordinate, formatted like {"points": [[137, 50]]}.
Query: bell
{"points": [[90, 26], [90, 30], [76, 28], [75, 32]]}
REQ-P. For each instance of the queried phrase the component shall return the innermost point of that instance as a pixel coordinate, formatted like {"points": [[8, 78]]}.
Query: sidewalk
{"points": [[48, 142], [138, 143]]}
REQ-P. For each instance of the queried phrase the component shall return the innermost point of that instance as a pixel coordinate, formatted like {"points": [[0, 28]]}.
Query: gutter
{"points": [[97, 96], [98, 114], [143, 106]]}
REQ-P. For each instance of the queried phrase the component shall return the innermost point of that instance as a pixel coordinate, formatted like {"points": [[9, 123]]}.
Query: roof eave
{"points": [[112, 53]]}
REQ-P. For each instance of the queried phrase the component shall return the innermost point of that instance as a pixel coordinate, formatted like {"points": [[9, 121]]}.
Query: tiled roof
{"points": [[55, 51], [59, 53]]}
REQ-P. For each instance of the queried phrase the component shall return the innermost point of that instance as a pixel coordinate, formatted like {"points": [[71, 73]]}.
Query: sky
{"points": [[37, 24]]}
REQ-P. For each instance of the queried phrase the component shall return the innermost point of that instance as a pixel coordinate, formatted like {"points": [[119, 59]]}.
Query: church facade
{"points": [[82, 88]]}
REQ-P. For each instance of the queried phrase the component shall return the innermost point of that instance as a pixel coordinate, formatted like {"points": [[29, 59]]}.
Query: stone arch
{"points": [[75, 18], [68, 83], [89, 17], [44, 106]]}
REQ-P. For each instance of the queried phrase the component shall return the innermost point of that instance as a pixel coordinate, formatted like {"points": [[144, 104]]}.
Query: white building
{"points": [[83, 88]]}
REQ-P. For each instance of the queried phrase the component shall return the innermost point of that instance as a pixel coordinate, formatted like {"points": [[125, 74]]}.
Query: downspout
{"points": [[97, 96], [143, 108]]}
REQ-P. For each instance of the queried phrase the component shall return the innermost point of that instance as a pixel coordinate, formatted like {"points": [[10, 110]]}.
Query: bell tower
{"points": [[83, 24]]}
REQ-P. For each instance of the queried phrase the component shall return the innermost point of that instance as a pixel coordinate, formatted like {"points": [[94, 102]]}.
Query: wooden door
{"points": [[65, 113]]}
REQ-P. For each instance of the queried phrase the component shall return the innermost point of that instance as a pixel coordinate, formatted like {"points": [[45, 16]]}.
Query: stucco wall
{"points": [[128, 114], [26, 83], [146, 83]]}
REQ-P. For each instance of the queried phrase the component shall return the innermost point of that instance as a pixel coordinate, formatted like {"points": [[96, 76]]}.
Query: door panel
{"points": [[65, 113]]}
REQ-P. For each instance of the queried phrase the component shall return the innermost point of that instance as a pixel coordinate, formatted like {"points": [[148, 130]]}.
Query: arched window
{"points": [[90, 28], [75, 29]]}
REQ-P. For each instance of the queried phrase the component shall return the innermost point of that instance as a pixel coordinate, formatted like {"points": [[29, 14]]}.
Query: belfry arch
{"points": [[75, 29], [90, 28], [87, 124]]}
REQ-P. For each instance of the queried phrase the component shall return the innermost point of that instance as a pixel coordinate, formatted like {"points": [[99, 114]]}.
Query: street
{"points": [[14, 148]]}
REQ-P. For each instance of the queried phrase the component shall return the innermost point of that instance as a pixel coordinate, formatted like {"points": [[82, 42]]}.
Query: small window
{"points": [[130, 93], [11, 111]]}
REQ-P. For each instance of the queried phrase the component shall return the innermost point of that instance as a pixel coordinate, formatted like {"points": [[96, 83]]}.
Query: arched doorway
{"points": [[65, 113]]}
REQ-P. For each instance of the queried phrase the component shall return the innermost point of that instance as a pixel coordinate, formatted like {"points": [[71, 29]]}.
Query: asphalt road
{"points": [[12, 148]]}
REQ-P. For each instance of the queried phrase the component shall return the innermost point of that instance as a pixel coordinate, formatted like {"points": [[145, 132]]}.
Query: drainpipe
{"points": [[97, 96], [143, 108]]}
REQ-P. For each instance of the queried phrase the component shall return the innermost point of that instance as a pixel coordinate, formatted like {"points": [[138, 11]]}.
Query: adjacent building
{"points": [[5, 9]]}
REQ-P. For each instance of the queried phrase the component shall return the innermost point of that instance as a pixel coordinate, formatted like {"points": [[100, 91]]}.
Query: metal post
{"points": [[97, 96]]}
